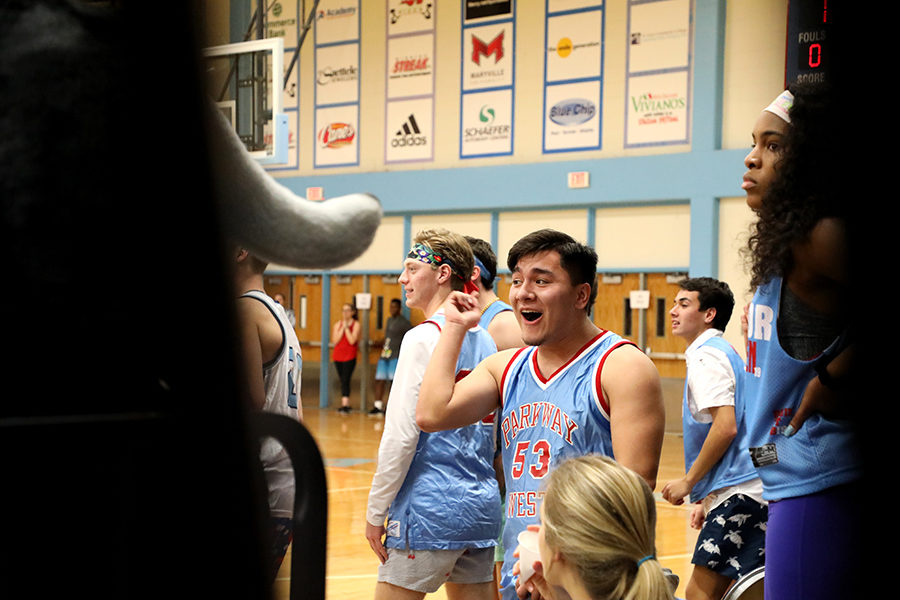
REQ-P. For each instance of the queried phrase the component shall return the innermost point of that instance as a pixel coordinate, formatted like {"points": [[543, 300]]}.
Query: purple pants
{"points": [[813, 546]]}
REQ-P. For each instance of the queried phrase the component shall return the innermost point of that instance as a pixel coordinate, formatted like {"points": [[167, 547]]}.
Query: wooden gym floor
{"points": [[349, 446]]}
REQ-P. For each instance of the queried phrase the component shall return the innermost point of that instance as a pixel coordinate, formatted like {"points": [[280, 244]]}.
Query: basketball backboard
{"points": [[245, 80]]}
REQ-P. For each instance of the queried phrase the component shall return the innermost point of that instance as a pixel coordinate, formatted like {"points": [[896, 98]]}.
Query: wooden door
{"points": [[343, 291], [652, 331], [666, 349], [612, 309], [383, 288], [307, 305]]}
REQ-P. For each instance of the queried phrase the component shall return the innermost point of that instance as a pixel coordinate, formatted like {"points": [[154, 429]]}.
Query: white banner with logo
{"points": [[336, 88], [337, 21], [409, 80], [659, 68], [336, 142], [487, 123], [573, 75], [410, 16], [574, 46], [283, 20], [487, 56], [573, 116], [409, 127], [410, 66], [337, 74], [487, 79], [657, 109]]}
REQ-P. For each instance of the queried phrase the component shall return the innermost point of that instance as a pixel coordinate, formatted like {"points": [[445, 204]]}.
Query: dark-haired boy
{"points": [[731, 513]]}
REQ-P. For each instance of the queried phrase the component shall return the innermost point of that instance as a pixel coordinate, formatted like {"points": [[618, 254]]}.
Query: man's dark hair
{"points": [[712, 293], [579, 260], [485, 255]]}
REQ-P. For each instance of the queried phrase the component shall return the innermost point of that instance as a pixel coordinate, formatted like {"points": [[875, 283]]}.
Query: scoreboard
{"points": [[809, 33]]}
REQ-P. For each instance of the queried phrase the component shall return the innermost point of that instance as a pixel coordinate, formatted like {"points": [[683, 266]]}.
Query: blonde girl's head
{"points": [[599, 518]]}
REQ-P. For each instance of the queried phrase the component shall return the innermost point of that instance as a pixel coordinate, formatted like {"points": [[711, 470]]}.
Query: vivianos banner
{"points": [[658, 73]]}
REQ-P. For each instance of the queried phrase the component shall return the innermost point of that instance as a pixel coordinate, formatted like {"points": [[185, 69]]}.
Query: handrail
{"points": [[310, 502]]}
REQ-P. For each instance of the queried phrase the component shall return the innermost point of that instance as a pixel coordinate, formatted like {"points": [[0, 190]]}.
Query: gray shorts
{"points": [[427, 570]]}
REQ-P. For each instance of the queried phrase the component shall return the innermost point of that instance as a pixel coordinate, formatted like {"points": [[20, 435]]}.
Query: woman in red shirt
{"points": [[346, 332]]}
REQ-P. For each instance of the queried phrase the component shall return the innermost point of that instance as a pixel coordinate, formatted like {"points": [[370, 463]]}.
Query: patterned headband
{"points": [[423, 253], [781, 106]]}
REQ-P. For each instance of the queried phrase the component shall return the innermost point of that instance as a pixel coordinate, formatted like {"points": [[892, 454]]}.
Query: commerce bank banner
{"points": [[283, 21]]}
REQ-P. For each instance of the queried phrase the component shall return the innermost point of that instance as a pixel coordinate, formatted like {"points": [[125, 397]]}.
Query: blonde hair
{"points": [[453, 248], [601, 517]]}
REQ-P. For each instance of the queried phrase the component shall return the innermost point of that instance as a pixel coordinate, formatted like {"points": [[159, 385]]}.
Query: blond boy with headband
{"points": [[434, 509]]}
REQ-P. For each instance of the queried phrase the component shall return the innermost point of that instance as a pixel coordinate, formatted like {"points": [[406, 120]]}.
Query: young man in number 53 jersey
{"points": [[576, 389]]}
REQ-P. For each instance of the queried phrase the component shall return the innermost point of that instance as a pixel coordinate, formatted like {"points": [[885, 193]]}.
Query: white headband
{"points": [[781, 106]]}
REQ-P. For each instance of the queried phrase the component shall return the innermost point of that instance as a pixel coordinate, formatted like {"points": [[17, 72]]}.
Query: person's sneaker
{"points": [[344, 410], [375, 411]]}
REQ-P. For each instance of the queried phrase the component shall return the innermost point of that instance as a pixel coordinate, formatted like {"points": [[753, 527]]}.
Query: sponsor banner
{"points": [[409, 80], [572, 116], [410, 65], [659, 36], [483, 9], [283, 20], [488, 53], [337, 74], [337, 21], [657, 109], [487, 123], [336, 91], [658, 66], [336, 136], [409, 127], [574, 46], [573, 75], [410, 16], [487, 77]]}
